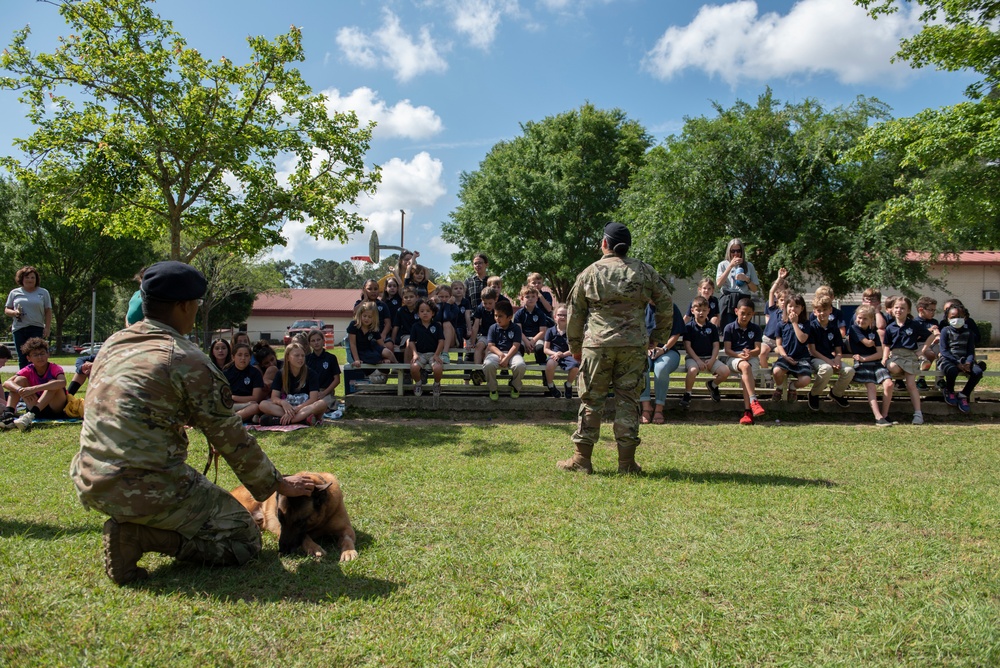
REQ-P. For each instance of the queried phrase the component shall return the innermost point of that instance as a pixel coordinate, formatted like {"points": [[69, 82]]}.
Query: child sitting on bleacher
{"points": [[496, 283], [416, 278], [503, 345], [536, 281], [447, 316], [866, 346], [392, 296], [41, 385], [836, 315], [706, 289], [425, 346], [482, 320], [405, 317], [701, 342], [773, 317], [364, 338], [463, 323], [926, 312], [742, 343], [557, 349], [533, 321], [826, 352], [793, 351], [958, 356], [900, 357]]}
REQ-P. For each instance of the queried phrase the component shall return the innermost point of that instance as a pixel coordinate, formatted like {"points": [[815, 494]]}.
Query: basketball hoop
{"points": [[360, 262]]}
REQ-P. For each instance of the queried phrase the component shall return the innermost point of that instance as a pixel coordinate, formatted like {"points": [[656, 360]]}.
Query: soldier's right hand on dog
{"points": [[296, 485]]}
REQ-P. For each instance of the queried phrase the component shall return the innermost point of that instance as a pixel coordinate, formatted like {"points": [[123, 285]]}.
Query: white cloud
{"points": [[400, 120], [391, 47], [735, 43]]}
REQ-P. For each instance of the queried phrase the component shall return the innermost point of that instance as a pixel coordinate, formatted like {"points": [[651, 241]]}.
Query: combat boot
{"points": [[626, 460], [125, 543], [580, 461]]}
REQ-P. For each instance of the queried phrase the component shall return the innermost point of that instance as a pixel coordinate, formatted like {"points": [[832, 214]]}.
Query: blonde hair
{"points": [[535, 276], [286, 369], [821, 301], [362, 308], [824, 290]]}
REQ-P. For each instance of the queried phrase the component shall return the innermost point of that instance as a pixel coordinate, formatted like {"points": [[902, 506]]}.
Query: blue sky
{"points": [[447, 79]]}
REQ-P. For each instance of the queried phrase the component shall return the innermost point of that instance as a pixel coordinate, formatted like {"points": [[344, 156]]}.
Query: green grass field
{"points": [[793, 545]]}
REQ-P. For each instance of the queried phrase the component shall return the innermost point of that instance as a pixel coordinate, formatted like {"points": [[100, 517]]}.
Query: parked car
{"points": [[305, 326], [69, 348], [87, 349]]}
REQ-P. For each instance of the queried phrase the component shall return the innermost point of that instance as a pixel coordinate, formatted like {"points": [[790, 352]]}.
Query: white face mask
{"points": [[957, 323]]}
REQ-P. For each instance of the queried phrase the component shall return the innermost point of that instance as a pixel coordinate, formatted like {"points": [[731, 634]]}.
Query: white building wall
{"points": [[275, 327]]}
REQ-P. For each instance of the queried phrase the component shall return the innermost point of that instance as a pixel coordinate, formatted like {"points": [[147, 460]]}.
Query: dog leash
{"points": [[212, 456]]}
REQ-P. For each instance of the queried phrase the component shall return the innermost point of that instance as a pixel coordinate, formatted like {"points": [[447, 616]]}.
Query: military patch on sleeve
{"points": [[227, 396]]}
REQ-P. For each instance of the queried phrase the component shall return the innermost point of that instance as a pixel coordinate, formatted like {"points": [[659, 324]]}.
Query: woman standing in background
{"points": [[30, 306]]}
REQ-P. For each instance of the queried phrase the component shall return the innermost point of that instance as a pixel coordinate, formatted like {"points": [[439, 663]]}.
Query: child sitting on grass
{"points": [[41, 385], [425, 346], [245, 383], [325, 365], [503, 351], [295, 394]]}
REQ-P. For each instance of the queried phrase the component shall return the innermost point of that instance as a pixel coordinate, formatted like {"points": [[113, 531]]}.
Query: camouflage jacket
{"points": [[147, 385], [607, 305]]}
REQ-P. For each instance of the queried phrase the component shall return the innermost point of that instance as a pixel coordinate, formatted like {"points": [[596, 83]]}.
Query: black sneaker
{"points": [[840, 401], [900, 384], [567, 390], [686, 400], [882, 422], [714, 389], [814, 402], [269, 421], [922, 384], [981, 364], [554, 392]]}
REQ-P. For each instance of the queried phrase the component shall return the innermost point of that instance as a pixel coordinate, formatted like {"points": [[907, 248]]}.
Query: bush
{"points": [[985, 329]]}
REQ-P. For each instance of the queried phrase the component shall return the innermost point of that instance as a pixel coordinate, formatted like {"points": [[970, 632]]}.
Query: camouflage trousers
{"points": [[216, 529], [619, 369]]}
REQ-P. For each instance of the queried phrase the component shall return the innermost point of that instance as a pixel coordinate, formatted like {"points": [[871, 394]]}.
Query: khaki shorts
{"points": [[424, 360], [734, 364], [905, 359], [718, 367]]}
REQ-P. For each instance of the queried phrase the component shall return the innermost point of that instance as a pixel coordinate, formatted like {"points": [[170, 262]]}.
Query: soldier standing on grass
{"points": [[607, 333], [149, 383]]}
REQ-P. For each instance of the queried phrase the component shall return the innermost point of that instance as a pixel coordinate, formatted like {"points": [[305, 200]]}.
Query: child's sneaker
{"points": [[963, 403], [686, 400], [777, 395], [418, 389], [554, 392], [436, 390], [950, 399], [567, 390], [269, 421], [311, 420], [478, 377], [23, 423], [714, 389], [514, 394], [747, 418], [793, 395], [922, 384], [918, 418], [494, 395], [756, 409], [840, 400], [901, 384], [813, 401], [882, 422]]}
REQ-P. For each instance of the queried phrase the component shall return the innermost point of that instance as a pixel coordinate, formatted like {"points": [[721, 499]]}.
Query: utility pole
{"points": [[402, 222]]}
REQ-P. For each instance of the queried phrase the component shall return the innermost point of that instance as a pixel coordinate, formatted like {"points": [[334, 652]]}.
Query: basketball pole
{"points": [[402, 226]]}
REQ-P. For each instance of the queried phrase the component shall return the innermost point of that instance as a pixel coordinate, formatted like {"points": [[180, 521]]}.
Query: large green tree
{"points": [[770, 173], [539, 202], [72, 264], [950, 155], [138, 134]]}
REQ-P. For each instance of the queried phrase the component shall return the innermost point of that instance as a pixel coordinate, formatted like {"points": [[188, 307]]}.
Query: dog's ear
{"points": [[320, 488]]}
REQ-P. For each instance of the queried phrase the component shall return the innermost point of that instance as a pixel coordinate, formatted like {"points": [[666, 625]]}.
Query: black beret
{"points": [[173, 281], [616, 233]]}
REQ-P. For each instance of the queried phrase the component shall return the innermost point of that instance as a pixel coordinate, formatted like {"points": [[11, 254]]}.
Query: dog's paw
{"points": [[318, 552], [348, 555]]}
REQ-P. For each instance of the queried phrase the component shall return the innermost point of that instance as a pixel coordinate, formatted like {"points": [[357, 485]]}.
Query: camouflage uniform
{"points": [[607, 324], [147, 384]]}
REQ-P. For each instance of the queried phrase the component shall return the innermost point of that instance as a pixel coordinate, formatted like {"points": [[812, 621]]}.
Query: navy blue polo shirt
{"points": [[486, 318], [393, 304], [426, 338], [855, 335], [775, 319], [557, 342], [742, 339], [504, 339], [310, 384], [383, 312], [532, 322], [242, 382], [907, 335], [713, 308], [701, 338], [826, 338], [404, 320], [836, 317], [325, 366], [793, 347], [364, 340], [928, 323]]}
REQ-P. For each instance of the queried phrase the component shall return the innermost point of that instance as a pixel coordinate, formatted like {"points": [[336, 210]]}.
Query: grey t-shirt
{"points": [[33, 303], [731, 284]]}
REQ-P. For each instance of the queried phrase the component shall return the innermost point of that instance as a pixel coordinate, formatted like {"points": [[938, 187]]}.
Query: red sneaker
{"points": [[747, 418], [756, 408]]}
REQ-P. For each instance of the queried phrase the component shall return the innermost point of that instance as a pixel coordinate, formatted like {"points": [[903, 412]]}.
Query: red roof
{"points": [[962, 257], [308, 303]]}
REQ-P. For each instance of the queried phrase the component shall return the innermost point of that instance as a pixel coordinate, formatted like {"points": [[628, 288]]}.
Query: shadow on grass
{"points": [[368, 439], [273, 577], [39, 530], [676, 475]]}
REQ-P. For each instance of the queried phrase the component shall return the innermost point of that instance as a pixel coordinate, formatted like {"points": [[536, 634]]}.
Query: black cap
{"points": [[616, 234], [173, 281]]}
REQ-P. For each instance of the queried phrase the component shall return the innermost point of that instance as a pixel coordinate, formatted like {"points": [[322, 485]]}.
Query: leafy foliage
{"points": [[539, 202], [137, 134], [772, 174]]}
